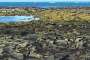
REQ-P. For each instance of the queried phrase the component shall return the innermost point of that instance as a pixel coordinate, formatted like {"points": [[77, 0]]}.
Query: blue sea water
{"points": [[5, 19], [45, 4]]}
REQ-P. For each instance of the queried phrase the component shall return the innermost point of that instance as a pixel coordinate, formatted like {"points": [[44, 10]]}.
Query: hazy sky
{"points": [[41, 0]]}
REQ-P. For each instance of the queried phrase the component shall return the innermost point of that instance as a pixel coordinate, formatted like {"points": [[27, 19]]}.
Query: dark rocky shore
{"points": [[60, 34], [46, 40]]}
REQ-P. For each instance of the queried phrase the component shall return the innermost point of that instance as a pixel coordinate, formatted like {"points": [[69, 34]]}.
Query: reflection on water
{"points": [[16, 18]]}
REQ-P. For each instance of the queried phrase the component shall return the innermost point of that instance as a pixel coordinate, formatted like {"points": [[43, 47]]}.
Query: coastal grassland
{"points": [[65, 14], [50, 14]]}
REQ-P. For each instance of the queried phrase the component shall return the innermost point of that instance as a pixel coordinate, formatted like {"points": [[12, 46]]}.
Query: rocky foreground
{"points": [[46, 40]]}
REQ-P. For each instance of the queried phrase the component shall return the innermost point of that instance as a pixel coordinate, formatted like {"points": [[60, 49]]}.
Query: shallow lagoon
{"points": [[16, 18]]}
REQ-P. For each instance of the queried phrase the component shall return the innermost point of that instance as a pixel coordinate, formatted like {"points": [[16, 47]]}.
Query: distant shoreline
{"points": [[11, 7], [32, 10]]}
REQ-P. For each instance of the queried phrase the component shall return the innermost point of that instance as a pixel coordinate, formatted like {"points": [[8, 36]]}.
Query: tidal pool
{"points": [[16, 18]]}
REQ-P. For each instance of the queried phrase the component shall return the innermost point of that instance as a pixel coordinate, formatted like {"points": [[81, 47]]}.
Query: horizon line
{"points": [[47, 1]]}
